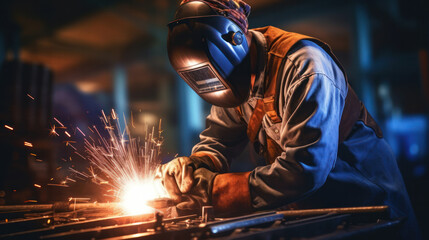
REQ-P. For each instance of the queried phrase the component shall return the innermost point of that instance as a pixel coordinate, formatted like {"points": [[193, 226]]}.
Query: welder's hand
{"points": [[177, 176], [200, 194]]}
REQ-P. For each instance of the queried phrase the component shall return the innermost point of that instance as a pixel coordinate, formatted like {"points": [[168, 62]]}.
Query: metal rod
{"points": [[25, 224], [113, 230], [321, 211], [59, 206], [222, 227], [161, 203], [100, 222]]}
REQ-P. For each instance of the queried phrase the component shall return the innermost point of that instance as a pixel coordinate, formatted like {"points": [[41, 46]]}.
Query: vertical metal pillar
{"points": [[191, 117], [364, 57], [120, 94]]}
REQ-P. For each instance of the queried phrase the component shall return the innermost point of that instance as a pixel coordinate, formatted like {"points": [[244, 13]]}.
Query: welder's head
{"points": [[207, 46]]}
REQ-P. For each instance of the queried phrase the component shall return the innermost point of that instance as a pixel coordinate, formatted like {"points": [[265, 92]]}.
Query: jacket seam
{"points": [[307, 76]]}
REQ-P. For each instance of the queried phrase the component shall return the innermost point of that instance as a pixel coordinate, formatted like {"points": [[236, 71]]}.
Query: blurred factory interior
{"points": [[70, 60]]}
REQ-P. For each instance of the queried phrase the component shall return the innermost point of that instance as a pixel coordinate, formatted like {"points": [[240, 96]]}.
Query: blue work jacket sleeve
{"points": [[224, 137], [311, 115]]}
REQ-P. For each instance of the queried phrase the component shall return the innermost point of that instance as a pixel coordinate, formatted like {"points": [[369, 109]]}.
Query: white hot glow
{"points": [[136, 194]]}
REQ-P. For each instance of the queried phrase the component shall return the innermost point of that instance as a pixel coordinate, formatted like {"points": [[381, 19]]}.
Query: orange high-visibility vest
{"points": [[279, 43]]}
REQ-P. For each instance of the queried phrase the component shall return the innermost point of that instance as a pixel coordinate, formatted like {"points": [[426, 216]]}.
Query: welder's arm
{"points": [[223, 137], [309, 138]]}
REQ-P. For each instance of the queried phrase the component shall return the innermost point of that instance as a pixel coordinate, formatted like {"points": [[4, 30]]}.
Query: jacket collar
{"points": [[261, 45]]}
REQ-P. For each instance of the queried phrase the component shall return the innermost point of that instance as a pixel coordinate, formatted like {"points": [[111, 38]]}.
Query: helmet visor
{"points": [[202, 79]]}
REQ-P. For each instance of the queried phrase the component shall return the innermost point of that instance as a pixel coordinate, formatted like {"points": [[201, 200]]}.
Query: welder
{"points": [[288, 94]]}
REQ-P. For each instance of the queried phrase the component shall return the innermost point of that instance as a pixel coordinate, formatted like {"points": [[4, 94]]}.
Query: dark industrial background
{"points": [[72, 59]]}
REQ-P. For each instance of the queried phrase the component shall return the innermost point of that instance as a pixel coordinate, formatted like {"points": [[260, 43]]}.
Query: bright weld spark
{"points": [[69, 142], [81, 131], [132, 120], [70, 145], [56, 120], [28, 144], [57, 185], [28, 95], [113, 114], [68, 134], [104, 115], [70, 179], [37, 185], [8, 127], [79, 155], [79, 173], [53, 131], [129, 164]]}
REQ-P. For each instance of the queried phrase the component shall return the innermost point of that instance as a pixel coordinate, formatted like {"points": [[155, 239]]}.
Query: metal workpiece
{"points": [[295, 229], [345, 210], [159, 223], [25, 224], [235, 223], [36, 232], [161, 203], [207, 214], [57, 207], [96, 228], [337, 223], [118, 230]]}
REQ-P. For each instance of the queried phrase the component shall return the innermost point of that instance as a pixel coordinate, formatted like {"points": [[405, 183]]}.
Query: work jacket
{"points": [[313, 169]]}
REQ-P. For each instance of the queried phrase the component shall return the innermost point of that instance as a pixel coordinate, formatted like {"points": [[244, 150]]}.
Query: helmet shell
{"points": [[210, 52]]}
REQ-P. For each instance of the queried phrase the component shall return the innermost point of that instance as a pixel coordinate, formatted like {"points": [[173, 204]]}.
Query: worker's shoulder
{"points": [[308, 58]]}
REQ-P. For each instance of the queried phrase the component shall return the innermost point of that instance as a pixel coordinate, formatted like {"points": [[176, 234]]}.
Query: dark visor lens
{"points": [[202, 79]]}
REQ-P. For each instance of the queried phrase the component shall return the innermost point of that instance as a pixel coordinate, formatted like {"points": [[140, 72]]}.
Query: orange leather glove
{"points": [[228, 193], [199, 195]]}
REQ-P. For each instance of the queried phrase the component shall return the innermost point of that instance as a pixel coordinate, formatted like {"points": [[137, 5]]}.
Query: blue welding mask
{"points": [[210, 52]]}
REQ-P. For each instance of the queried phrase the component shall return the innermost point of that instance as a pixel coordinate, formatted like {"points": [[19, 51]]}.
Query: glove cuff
{"points": [[231, 194], [205, 160]]}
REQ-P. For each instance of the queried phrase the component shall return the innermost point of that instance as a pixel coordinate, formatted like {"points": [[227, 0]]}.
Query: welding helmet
{"points": [[210, 52]]}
